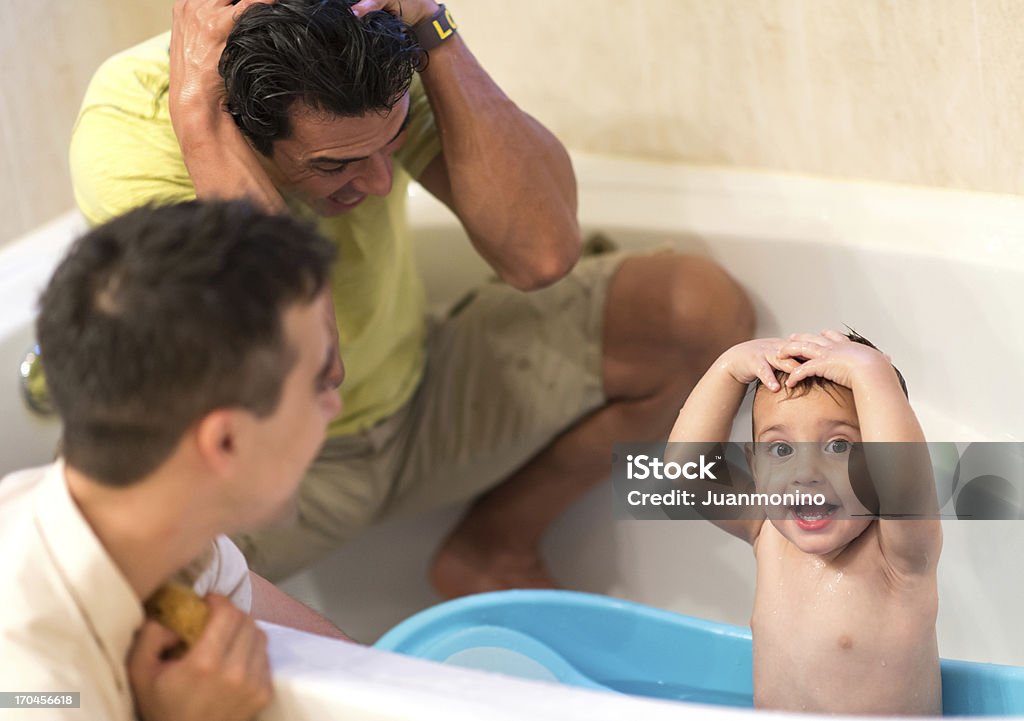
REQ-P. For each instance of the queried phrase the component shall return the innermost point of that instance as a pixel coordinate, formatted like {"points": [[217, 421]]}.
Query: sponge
{"points": [[180, 609]]}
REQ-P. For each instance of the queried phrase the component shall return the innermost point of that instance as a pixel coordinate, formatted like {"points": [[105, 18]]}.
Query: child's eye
{"points": [[837, 446], [779, 449]]}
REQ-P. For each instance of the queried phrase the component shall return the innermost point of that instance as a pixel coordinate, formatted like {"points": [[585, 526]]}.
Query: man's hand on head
{"points": [[411, 11], [199, 31], [220, 160]]}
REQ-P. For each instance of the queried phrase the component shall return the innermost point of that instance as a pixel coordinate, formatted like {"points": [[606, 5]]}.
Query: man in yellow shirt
{"points": [[329, 108]]}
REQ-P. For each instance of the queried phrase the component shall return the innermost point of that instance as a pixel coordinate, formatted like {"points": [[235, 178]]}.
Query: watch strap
{"points": [[436, 29]]}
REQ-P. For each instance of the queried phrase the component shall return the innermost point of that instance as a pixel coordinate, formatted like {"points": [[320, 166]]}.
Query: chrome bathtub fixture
{"points": [[33, 384]]}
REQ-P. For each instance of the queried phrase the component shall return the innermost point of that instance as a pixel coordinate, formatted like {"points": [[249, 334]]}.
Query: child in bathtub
{"points": [[845, 605]]}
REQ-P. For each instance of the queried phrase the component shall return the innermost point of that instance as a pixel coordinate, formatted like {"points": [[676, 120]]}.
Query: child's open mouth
{"points": [[813, 517]]}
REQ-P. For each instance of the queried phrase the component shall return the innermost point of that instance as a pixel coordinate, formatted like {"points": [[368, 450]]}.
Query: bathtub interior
{"points": [[25, 266], [932, 277]]}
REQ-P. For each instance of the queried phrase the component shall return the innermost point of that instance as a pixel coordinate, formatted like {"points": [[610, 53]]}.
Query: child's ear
{"points": [[216, 439]]}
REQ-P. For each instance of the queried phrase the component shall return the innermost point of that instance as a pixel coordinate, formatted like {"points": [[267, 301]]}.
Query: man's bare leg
{"points": [[667, 317]]}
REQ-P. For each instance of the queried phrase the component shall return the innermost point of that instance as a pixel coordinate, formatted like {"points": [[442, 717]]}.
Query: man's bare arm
{"points": [[269, 603], [507, 177], [220, 162]]}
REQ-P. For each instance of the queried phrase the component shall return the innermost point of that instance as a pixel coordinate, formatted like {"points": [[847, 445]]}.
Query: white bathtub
{"points": [[935, 278]]}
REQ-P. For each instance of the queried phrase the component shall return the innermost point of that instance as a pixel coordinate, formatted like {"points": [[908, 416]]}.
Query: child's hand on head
{"points": [[832, 356], [757, 360]]}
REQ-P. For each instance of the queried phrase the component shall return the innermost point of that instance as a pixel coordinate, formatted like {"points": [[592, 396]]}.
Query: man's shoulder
{"points": [[29, 594], [123, 151], [15, 491], [135, 79], [47, 663], [18, 537], [423, 142]]}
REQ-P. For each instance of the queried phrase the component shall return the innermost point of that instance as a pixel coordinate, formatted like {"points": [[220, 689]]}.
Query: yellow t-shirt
{"points": [[124, 154]]}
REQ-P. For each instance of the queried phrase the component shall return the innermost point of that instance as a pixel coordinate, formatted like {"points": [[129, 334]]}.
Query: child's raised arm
{"points": [[895, 450], [707, 415]]}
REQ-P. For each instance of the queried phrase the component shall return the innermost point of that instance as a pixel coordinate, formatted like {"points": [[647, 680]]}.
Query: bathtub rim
{"points": [[714, 201]]}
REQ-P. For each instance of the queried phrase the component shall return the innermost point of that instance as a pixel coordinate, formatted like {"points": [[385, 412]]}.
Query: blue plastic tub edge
{"points": [[607, 638]]}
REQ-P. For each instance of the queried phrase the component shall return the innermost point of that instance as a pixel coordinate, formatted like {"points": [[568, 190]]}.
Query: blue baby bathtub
{"points": [[605, 643]]}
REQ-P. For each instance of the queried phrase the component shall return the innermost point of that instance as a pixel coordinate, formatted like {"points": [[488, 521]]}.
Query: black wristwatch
{"points": [[436, 29]]}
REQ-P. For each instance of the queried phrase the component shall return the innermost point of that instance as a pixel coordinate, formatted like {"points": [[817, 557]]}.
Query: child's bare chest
{"points": [[820, 608], [818, 625]]}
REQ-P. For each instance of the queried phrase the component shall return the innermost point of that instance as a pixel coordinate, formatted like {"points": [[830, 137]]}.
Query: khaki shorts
{"points": [[506, 373]]}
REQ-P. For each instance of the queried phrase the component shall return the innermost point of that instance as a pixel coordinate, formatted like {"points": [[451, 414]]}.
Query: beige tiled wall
{"points": [[911, 91], [925, 92], [48, 51]]}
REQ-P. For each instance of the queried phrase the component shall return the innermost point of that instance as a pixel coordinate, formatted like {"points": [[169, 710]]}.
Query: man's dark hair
{"points": [[164, 314], [317, 53]]}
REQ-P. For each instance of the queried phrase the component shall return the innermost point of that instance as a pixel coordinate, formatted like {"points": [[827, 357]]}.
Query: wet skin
{"points": [[832, 616]]}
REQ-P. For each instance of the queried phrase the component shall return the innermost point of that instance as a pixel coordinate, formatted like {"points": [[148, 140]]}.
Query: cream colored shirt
{"points": [[67, 614]]}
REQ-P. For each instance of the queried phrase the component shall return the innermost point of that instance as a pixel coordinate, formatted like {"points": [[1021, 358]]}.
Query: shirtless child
{"points": [[845, 605]]}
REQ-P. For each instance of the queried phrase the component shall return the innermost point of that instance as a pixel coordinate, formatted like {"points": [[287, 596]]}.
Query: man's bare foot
{"points": [[463, 565]]}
